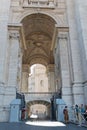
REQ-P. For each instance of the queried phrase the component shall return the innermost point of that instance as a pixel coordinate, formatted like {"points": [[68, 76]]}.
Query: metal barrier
{"points": [[73, 117]]}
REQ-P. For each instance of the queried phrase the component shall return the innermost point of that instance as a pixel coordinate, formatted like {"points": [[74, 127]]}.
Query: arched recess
{"points": [[40, 108], [39, 31], [26, 13]]}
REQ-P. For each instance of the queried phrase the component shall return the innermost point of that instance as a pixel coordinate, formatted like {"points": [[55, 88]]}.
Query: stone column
{"points": [[25, 76], [65, 66], [78, 92], [4, 15], [51, 78], [10, 71], [80, 16], [14, 38], [15, 50]]}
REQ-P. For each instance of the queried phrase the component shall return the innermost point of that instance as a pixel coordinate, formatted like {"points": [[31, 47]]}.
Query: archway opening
{"points": [[38, 110], [39, 34]]}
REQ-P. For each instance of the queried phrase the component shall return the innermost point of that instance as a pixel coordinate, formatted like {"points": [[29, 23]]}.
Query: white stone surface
{"points": [[72, 75]]}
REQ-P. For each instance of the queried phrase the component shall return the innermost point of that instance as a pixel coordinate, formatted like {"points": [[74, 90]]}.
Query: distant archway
{"points": [[38, 79], [40, 108]]}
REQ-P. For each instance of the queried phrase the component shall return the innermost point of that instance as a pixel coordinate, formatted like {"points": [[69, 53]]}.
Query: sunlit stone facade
{"points": [[48, 32]]}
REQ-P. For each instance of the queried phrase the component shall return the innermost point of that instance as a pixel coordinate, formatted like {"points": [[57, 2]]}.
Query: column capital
{"points": [[59, 33], [63, 35], [16, 32]]}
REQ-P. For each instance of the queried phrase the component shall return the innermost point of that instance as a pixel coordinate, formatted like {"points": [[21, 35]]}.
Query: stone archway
{"points": [[40, 108], [39, 33], [42, 37], [38, 30]]}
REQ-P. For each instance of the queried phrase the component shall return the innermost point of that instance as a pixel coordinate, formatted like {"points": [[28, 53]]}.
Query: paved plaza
{"points": [[40, 126]]}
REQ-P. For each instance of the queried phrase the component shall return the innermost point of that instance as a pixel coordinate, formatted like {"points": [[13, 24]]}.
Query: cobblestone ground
{"points": [[39, 126]]}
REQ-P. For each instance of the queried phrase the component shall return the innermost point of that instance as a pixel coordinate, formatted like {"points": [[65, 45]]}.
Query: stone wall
{"points": [[72, 13], [81, 20]]}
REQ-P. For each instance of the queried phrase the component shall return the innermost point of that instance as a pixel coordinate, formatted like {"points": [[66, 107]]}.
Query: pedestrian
{"points": [[76, 112], [66, 116], [79, 116], [82, 109]]}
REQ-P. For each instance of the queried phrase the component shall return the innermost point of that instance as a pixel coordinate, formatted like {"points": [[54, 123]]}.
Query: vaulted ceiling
{"points": [[38, 31]]}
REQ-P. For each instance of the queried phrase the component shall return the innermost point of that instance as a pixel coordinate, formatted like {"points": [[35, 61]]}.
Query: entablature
{"points": [[39, 3]]}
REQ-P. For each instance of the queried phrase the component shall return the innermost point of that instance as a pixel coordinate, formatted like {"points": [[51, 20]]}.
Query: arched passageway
{"points": [[39, 33], [40, 108], [39, 30], [45, 35]]}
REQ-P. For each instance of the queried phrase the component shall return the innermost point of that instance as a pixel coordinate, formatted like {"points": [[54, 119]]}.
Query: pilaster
{"points": [[77, 81], [14, 39], [4, 15], [63, 42], [81, 21]]}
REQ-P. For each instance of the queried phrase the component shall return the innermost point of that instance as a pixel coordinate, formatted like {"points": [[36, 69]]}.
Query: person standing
{"points": [[79, 116], [76, 112], [82, 109], [66, 116]]}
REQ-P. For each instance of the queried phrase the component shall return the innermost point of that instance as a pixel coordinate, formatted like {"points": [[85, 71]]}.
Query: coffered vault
{"points": [[38, 31]]}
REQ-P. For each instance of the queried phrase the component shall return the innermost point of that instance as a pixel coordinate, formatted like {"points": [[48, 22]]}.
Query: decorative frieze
{"points": [[40, 3], [50, 4]]}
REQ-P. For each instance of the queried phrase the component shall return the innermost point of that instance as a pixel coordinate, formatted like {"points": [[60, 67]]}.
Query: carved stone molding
{"points": [[40, 3], [63, 35], [14, 35], [15, 31]]}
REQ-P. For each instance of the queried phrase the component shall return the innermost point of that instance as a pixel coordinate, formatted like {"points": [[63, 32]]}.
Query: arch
{"points": [[27, 13], [32, 109], [39, 61], [38, 37], [46, 103]]}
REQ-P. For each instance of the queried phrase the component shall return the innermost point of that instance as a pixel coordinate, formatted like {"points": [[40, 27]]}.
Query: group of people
{"points": [[80, 113]]}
